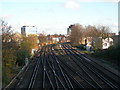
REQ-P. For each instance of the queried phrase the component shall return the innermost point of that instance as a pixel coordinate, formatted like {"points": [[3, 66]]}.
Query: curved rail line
{"points": [[65, 67], [54, 75], [91, 68], [112, 76]]}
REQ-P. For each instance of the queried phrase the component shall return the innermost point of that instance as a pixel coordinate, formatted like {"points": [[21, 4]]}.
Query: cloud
{"points": [[110, 0], [98, 0], [32, 0], [59, 1], [72, 4]]}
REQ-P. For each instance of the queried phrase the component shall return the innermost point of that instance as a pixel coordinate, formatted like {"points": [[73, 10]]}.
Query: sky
{"points": [[55, 16]]}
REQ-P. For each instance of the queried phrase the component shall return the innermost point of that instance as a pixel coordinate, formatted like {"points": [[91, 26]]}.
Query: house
{"points": [[56, 38], [98, 43], [106, 43]]}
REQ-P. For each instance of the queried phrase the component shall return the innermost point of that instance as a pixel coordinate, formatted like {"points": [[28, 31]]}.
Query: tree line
{"points": [[78, 33], [15, 48]]}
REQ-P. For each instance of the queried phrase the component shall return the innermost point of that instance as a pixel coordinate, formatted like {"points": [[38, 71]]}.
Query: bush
{"points": [[111, 54], [21, 55]]}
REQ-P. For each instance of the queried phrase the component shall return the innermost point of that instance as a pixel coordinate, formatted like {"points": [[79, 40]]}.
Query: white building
{"points": [[99, 42], [55, 39], [107, 43], [26, 30]]}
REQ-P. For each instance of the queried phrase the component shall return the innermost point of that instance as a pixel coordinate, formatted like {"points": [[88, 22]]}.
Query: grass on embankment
{"points": [[110, 55]]}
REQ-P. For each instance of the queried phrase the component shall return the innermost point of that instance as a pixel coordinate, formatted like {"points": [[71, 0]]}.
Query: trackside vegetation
{"points": [[112, 54], [15, 48]]}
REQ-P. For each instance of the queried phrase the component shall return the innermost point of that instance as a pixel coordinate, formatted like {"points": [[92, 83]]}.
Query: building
{"points": [[107, 42], [26, 30], [23, 30], [56, 38], [97, 43]]}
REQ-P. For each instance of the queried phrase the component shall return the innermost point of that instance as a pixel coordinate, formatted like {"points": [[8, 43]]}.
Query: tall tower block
{"points": [[23, 30]]}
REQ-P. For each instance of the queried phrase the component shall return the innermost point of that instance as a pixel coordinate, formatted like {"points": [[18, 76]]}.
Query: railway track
{"points": [[38, 67], [83, 82], [49, 73], [115, 77], [69, 80], [107, 82], [66, 68]]}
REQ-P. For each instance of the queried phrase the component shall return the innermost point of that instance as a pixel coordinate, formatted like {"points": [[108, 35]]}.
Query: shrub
{"points": [[112, 54], [21, 55]]}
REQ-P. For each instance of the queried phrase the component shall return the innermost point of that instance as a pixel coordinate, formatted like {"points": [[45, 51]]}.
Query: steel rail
{"points": [[104, 73], [79, 53], [99, 75], [57, 78], [53, 70], [50, 81], [56, 81], [44, 69], [98, 86], [65, 77], [76, 72], [32, 80], [81, 74], [66, 70]]}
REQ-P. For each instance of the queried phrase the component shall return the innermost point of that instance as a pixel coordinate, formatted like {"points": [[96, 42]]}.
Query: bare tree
{"points": [[42, 38], [8, 41], [104, 31], [92, 31], [76, 35]]}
